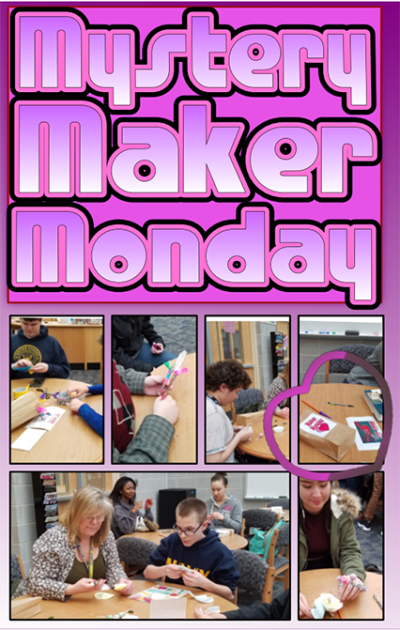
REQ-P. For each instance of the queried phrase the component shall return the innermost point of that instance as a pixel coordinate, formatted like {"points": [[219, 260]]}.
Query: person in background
{"points": [[278, 385], [224, 510], [359, 376], [366, 520], [126, 509], [224, 380], [277, 610], [130, 348], [33, 347]]}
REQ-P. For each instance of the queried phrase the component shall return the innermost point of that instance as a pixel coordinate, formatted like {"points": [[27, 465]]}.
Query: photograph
{"points": [[158, 545]]}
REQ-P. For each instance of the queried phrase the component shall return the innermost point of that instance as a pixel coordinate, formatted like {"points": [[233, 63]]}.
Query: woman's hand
{"points": [[215, 515], [199, 613], [305, 610], [128, 590], [85, 585], [348, 591], [166, 408], [77, 390], [148, 504], [75, 405], [138, 506], [282, 413], [245, 434], [157, 348]]}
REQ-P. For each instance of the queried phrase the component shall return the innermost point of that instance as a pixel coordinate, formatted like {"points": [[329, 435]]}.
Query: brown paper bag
{"points": [[23, 409], [246, 419], [25, 608], [335, 444]]}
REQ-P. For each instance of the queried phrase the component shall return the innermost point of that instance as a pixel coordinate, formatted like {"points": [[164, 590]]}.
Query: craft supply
{"points": [[101, 595], [23, 409], [353, 580], [213, 609], [376, 598], [279, 429], [326, 602], [27, 440], [321, 413], [19, 391], [327, 436], [119, 587], [173, 371], [204, 599], [47, 419], [339, 404], [368, 433], [159, 591], [258, 436], [340, 614], [168, 608]]}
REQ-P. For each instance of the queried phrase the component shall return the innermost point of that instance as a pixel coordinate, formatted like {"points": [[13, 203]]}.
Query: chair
{"points": [[253, 572], [284, 503], [134, 553], [263, 519], [17, 568], [342, 366], [243, 526], [278, 565]]}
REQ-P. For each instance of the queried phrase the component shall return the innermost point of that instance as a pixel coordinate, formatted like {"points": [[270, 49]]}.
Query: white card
{"points": [[375, 434], [47, 419], [311, 427], [27, 440], [171, 608]]}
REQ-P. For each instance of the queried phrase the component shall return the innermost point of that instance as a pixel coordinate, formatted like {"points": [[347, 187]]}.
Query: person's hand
{"points": [[75, 405], [41, 368], [157, 348], [153, 384], [282, 413], [245, 434], [173, 571], [77, 390], [166, 408], [22, 363], [128, 590], [194, 579], [199, 613], [216, 515], [348, 591], [84, 585], [137, 507], [148, 504], [238, 427], [305, 610]]}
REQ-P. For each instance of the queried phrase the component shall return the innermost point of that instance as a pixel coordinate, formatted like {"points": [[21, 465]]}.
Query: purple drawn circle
{"points": [[298, 259], [304, 388], [292, 145], [139, 165], [236, 264], [252, 48], [118, 264]]}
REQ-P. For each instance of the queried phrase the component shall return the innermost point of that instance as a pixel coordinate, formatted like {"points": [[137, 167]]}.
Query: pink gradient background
{"points": [[389, 307]]}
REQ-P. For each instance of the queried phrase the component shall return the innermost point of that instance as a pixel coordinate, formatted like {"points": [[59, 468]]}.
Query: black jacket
{"points": [[277, 610], [129, 333]]}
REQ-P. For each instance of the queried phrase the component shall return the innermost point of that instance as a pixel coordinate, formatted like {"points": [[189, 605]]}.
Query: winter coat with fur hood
{"points": [[345, 550]]}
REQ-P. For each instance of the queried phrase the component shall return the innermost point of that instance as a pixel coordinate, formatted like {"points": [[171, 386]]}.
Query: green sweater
{"points": [[345, 550]]}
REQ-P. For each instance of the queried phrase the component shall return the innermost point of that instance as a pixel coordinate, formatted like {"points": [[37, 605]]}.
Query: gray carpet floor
{"points": [[179, 333]]}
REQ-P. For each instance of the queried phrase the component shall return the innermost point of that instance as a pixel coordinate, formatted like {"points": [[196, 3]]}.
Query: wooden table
{"points": [[85, 606], [71, 440], [183, 444], [319, 396], [233, 541], [260, 447], [313, 583], [79, 341]]}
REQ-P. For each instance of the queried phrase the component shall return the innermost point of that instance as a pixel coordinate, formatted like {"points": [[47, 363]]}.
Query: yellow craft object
{"points": [[101, 595], [19, 391], [119, 587]]}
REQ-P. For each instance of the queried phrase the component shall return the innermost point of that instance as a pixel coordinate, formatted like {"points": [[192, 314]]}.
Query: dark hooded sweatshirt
{"points": [[40, 349], [128, 335]]}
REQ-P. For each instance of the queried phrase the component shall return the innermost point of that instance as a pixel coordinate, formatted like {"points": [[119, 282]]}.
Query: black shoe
{"points": [[365, 525]]}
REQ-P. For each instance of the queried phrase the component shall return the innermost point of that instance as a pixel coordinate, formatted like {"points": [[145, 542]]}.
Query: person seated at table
{"points": [[79, 555], [327, 535], [224, 380], [359, 376], [33, 347], [224, 510], [129, 347], [278, 385], [126, 509], [277, 610], [194, 546]]}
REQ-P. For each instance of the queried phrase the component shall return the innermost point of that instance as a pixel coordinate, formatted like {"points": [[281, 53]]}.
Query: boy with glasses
{"points": [[194, 555]]}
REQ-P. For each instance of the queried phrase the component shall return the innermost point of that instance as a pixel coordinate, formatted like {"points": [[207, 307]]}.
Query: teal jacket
{"points": [[345, 550]]}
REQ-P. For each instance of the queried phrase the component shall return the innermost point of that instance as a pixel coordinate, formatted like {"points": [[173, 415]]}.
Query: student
{"points": [[365, 522], [224, 510], [195, 546], [128, 345], [359, 376], [126, 509], [33, 347], [224, 380], [277, 610], [278, 385], [327, 535]]}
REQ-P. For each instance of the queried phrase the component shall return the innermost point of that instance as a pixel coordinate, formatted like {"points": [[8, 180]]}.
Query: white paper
{"points": [[320, 434], [364, 446], [47, 419], [28, 439], [171, 608]]}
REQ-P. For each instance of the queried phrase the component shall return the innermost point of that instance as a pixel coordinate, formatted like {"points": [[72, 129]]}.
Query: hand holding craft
{"points": [[77, 390], [166, 408], [350, 586], [153, 384], [40, 368]]}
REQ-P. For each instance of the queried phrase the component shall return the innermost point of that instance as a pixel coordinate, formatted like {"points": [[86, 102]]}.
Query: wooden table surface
{"points": [[260, 447], [233, 541], [85, 606], [319, 396], [183, 444], [71, 440], [313, 583]]}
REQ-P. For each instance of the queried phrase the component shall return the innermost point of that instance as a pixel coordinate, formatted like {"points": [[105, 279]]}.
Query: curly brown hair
{"points": [[230, 372]]}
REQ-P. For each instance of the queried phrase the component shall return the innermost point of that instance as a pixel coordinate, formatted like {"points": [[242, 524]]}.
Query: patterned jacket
{"points": [[53, 557]]}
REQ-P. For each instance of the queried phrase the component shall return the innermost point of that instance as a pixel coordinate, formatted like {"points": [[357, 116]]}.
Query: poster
{"points": [[224, 163]]}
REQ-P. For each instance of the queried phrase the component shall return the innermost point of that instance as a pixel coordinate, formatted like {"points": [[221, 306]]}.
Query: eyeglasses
{"points": [[97, 519], [186, 532]]}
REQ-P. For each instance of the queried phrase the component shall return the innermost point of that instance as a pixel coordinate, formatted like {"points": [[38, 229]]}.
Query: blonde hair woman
{"points": [[79, 555]]}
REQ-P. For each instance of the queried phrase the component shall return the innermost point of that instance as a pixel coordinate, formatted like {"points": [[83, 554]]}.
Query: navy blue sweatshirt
{"points": [[209, 556], [40, 349]]}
